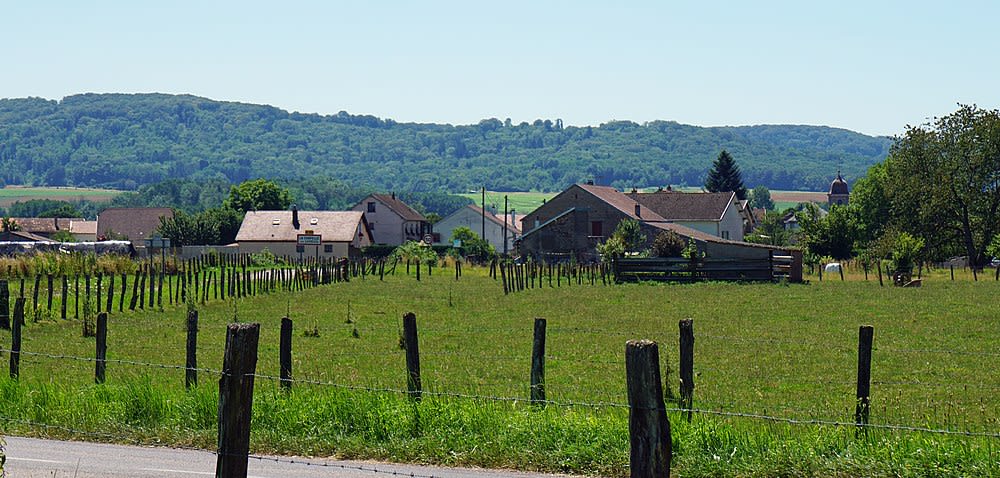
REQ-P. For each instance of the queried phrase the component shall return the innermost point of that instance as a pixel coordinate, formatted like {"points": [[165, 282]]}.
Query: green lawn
{"points": [[785, 351]]}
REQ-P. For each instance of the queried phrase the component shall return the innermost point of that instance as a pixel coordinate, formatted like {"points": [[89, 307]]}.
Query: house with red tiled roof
{"points": [[136, 224], [476, 219], [44, 226], [719, 214], [574, 222], [392, 221], [341, 233]]}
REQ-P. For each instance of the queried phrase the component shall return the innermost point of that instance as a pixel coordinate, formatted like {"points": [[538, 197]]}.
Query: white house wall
{"points": [[466, 217]]}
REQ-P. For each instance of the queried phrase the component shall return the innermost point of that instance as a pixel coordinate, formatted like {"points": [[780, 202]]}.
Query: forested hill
{"points": [[123, 141]]}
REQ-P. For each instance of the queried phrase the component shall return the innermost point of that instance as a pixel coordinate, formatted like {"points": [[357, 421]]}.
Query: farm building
{"points": [[136, 224], [391, 221], [44, 226], [341, 233], [84, 231], [572, 224], [475, 218], [718, 214]]}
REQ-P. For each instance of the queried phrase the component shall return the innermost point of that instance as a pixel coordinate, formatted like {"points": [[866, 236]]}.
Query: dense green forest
{"points": [[126, 141]]}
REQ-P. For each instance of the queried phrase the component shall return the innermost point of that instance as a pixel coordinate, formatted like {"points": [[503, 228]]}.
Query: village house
{"points": [[135, 224], [44, 226], [718, 214], [392, 222], [474, 218], [340, 233], [83, 231], [572, 224]]}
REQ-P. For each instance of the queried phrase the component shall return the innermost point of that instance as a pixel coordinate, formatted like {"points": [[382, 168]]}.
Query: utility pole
{"points": [[505, 225], [484, 215]]}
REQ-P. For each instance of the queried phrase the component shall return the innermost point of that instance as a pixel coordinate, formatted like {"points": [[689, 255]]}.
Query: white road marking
{"points": [[15, 458], [167, 470]]}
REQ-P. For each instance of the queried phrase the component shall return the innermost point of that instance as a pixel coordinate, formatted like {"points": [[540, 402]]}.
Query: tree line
{"points": [[127, 141]]}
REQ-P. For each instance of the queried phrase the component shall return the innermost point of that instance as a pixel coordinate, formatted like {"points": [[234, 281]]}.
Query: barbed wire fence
{"points": [[722, 410]]}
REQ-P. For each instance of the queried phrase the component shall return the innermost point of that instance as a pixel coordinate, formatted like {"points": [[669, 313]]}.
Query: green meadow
{"points": [[775, 369]]}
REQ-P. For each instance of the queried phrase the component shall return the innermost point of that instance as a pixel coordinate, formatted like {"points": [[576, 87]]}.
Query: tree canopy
{"points": [[258, 195], [725, 176], [126, 141], [942, 181]]}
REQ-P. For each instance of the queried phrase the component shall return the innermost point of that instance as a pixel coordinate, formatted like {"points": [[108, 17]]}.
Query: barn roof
{"points": [[44, 225], [678, 206], [135, 223]]}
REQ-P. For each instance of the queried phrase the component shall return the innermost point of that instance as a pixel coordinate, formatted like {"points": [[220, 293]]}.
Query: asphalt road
{"points": [[31, 457]]}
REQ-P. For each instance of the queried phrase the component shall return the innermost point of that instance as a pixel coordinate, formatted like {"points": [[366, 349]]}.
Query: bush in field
{"points": [[414, 251], [473, 246], [668, 244]]}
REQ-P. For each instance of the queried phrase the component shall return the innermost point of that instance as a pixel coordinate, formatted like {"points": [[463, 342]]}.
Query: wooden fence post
{"points": [[15, 338], [649, 430], [191, 364], [412, 355], [239, 364], [285, 353], [65, 298], [687, 364], [865, 333], [538, 363], [879, 268], [5, 305], [100, 362]]}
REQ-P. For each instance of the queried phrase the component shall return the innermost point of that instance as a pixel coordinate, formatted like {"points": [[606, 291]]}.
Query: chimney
{"points": [[638, 210], [55, 221], [295, 216], [590, 182], [394, 195]]}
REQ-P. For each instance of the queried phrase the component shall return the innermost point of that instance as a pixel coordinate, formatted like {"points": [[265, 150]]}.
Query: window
{"points": [[300, 249], [596, 228], [328, 248], [725, 234], [371, 206]]}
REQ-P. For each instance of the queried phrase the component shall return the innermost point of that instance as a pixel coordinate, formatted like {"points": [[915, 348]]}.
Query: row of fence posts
{"points": [[530, 275], [920, 271], [205, 285], [649, 429]]}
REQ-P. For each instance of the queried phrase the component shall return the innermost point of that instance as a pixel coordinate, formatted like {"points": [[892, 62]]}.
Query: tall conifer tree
{"points": [[725, 176]]}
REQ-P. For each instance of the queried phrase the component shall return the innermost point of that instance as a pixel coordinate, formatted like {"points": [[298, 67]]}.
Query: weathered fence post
{"points": [[15, 338], [65, 298], [239, 364], [538, 363], [5, 305], [879, 268], [285, 353], [191, 364], [100, 362], [412, 355], [687, 364], [648, 427], [865, 333]]}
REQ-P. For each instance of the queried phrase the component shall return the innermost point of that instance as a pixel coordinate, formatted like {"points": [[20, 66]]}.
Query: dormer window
{"points": [[276, 222], [314, 221]]}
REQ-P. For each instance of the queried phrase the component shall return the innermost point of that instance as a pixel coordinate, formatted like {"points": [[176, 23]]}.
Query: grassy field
{"points": [[11, 194], [782, 351], [521, 202]]}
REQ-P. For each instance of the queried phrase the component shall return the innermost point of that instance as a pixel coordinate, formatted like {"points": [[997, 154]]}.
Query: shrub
{"points": [[668, 244]]}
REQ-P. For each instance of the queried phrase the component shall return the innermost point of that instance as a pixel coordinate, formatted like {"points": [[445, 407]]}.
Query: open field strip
{"points": [[11, 194], [786, 352]]}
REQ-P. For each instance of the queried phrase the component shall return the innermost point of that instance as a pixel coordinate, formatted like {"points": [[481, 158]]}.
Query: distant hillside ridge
{"points": [[123, 141]]}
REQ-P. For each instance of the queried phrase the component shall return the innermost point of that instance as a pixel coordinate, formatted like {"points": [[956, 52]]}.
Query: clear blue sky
{"points": [[871, 66]]}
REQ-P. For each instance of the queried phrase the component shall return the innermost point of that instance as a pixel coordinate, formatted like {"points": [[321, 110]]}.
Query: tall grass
{"points": [[780, 350]]}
